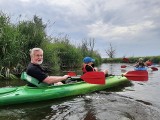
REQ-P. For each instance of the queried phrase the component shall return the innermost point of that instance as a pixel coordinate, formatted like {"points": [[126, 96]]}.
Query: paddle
{"points": [[71, 73], [94, 77], [90, 77], [99, 77], [154, 68], [126, 60], [140, 75], [123, 66]]}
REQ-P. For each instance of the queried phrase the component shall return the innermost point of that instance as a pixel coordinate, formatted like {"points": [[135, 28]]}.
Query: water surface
{"points": [[134, 101]]}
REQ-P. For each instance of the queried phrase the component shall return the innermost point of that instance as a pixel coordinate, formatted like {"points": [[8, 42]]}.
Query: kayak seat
{"points": [[32, 80]]}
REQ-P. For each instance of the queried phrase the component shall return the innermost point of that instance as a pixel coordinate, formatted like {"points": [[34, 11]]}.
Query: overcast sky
{"points": [[131, 26]]}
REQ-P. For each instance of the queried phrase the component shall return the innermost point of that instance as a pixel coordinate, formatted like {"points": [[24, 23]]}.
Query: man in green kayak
{"points": [[34, 69], [88, 66]]}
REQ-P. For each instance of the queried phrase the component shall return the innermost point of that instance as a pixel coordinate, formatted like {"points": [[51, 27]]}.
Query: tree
{"points": [[111, 51], [87, 47]]}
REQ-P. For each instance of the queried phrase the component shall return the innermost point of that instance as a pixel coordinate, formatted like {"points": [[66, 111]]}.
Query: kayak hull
{"points": [[26, 94]]}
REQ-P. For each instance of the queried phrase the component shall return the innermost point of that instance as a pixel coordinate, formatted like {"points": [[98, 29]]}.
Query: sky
{"points": [[131, 26]]}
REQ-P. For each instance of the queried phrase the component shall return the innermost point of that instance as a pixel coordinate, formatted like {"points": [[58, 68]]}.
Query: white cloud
{"points": [[102, 30], [123, 22], [25, 1]]}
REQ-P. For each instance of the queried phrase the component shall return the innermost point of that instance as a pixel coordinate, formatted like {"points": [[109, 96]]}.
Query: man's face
{"points": [[37, 57]]}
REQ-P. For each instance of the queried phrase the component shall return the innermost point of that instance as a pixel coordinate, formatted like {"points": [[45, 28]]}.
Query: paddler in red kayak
{"points": [[140, 63], [148, 62]]}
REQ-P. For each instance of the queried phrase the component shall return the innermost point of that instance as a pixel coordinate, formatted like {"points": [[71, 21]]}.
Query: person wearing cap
{"points": [[88, 66], [140, 63]]}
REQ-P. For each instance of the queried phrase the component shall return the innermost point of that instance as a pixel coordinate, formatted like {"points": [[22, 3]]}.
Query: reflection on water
{"points": [[11, 82], [95, 106], [131, 101]]}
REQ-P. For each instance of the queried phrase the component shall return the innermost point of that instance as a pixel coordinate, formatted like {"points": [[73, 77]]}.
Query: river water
{"points": [[134, 101]]}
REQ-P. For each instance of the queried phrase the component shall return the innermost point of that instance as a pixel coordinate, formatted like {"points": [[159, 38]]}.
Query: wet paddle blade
{"points": [[140, 75], [94, 77], [154, 68], [123, 66]]}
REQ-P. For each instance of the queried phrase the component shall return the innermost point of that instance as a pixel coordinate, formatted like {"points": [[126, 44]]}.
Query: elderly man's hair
{"points": [[33, 50]]}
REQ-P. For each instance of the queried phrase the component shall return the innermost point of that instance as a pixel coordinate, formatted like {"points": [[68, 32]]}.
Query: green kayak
{"points": [[25, 94]]}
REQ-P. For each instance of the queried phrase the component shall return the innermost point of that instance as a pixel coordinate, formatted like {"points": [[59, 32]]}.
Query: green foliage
{"points": [[17, 39], [112, 60], [86, 49], [60, 54], [33, 32], [50, 56], [67, 54], [9, 46]]}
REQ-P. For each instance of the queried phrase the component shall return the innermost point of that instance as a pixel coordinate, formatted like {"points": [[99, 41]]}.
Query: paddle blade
{"points": [[140, 75], [94, 77], [72, 74], [125, 59], [154, 68], [123, 66]]}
